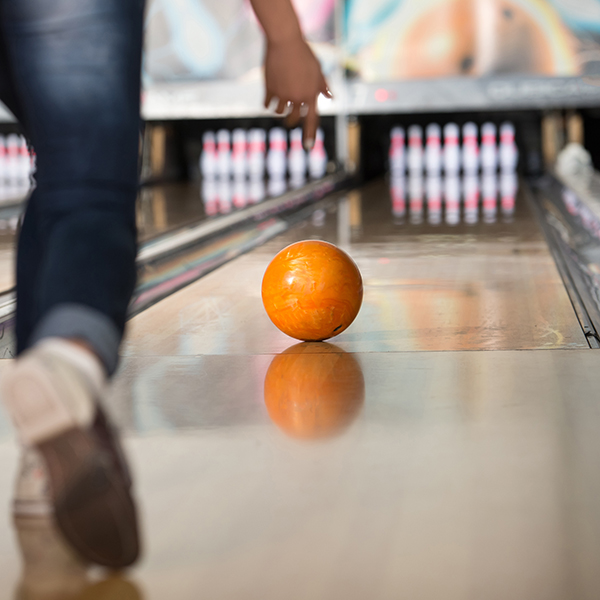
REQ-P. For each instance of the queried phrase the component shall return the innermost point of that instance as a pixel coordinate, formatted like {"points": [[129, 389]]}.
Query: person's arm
{"points": [[292, 72]]}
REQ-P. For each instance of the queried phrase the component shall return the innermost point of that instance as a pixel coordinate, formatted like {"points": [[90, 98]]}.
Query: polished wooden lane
{"points": [[479, 287]]}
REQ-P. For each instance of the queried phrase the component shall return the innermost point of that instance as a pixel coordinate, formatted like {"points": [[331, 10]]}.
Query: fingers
{"points": [[281, 106], [311, 122], [294, 117], [268, 98], [324, 88]]}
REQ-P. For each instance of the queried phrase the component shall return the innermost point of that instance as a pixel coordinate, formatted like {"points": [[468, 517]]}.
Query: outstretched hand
{"points": [[293, 76]]}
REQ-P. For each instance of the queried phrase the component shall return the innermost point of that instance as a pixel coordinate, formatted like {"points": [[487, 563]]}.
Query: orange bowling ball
{"points": [[312, 290], [314, 391]]}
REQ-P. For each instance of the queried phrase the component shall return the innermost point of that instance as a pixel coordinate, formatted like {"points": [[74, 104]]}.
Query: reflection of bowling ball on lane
{"points": [[314, 390], [312, 290], [455, 37]]}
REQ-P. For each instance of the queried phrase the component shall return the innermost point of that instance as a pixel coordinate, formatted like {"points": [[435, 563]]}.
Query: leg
{"points": [[75, 71], [76, 74]]}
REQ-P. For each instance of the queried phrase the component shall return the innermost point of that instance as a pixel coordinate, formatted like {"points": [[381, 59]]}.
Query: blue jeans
{"points": [[70, 72]]}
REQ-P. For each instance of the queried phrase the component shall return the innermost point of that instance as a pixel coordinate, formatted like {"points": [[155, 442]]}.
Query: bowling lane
{"points": [[479, 286], [393, 462]]}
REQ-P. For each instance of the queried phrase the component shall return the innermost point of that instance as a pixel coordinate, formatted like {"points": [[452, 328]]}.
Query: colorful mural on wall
{"points": [[418, 39], [221, 39]]}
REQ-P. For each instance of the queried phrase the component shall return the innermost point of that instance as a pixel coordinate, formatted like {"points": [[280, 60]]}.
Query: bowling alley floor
{"points": [[446, 445]]}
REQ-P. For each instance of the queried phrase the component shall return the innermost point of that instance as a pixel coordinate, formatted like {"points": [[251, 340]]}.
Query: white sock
{"points": [[81, 359]]}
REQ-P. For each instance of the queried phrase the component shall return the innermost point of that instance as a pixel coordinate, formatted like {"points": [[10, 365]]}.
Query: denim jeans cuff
{"points": [[85, 323]]}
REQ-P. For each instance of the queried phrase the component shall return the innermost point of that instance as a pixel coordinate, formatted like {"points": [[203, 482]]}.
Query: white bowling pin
{"points": [[451, 149], [470, 148], [239, 159], [256, 153], [397, 155], [276, 157], [415, 149], [24, 161], [489, 150], [13, 144], [508, 153], [398, 196], [317, 158], [223, 153], [433, 150], [208, 158], [3, 156], [296, 156]]}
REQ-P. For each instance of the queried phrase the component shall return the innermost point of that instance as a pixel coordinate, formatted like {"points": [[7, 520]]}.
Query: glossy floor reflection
{"points": [[461, 474], [388, 463]]}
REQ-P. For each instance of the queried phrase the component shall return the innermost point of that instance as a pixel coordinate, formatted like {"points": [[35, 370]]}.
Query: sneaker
{"points": [[55, 410]]}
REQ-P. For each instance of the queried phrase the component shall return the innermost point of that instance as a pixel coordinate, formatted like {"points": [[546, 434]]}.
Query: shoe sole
{"points": [[92, 504]]}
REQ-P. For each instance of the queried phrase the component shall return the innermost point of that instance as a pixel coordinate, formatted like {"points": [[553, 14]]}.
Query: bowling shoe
{"points": [[54, 406]]}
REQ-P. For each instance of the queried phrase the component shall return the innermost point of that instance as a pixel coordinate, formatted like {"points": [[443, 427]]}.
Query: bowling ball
{"points": [[314, 390], [312, 290]]}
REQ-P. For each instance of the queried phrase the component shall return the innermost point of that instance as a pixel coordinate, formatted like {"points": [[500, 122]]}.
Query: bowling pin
{"points": [[223, 153], [317, 158], [296, 156], [470, 148], [415, 149], [489, 192], [276, 157], [239, 162], [397, 156], [24, 161], [452, 198], [508, 153], [277, 186], [433, 150], [256, 153], [415, 195], [2, 158], [398, 197], [208, 158], [451, 149], [240, 192], [12, 157], [489, 150], [508, 193], [471, 196], [434, 199]]}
